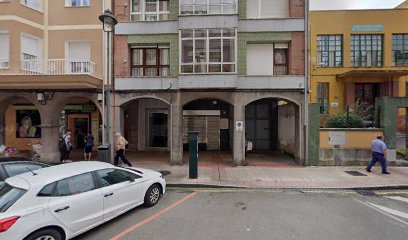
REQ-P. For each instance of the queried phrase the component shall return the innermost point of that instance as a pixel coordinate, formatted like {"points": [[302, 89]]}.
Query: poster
{"points": [[28, 124]]}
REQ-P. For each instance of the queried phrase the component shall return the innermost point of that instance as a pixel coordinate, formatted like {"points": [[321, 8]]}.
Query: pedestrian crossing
{"points": [[399, 215]]}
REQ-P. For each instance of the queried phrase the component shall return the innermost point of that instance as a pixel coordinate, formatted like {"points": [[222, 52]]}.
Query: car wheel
{"points": [[46, 234], [152, 195]]}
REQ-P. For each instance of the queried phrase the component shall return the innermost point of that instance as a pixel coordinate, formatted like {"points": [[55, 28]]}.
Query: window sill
{"points": [[77, 6]]}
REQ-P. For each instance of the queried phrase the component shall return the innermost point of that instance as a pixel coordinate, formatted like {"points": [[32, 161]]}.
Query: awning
{"points": [[373, 73]]}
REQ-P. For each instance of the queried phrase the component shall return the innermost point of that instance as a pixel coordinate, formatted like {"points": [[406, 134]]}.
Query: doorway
{"points": [[79, 124], [158, 130]]}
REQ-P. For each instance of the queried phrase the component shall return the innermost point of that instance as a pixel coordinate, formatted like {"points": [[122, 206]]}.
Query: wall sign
{"points": [[367, 28], [239, 126]]}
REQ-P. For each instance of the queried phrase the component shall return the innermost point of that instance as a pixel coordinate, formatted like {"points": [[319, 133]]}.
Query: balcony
{"points": [[57, 67]]}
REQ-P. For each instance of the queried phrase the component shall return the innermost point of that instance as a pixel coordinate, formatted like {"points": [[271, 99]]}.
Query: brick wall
{"points": [[122, 56], [296, 8], [297, 54], [122, 10]]}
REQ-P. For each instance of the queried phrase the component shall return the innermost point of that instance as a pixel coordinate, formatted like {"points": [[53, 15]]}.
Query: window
{"points": [[114, 176], [4, 50], [31, 54], [34, 4], [13, 169], [74, 185], [329, 50], [151, 61], [199, 7], [150, 10], [366, 50], [323, 97], [79, 57], [77, 3], [8, 196], [267, 59], [47, 190], [267, 8], [208, 51], [400, 50]]}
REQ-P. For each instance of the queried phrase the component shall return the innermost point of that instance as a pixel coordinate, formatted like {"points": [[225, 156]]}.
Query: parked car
{"points": [[63, 201], [12, 166]]}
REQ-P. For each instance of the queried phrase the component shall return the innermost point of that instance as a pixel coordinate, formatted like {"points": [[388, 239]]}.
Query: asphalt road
{"points": [[235, 215]]}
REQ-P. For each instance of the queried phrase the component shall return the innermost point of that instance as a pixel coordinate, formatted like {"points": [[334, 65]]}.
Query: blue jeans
{"points": [[378, 157]]}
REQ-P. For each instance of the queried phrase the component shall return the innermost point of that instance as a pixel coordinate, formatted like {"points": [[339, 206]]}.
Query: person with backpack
{"points": [[89, 143]]}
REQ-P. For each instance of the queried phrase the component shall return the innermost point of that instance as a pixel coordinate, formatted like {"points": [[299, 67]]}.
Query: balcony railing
{"points": [[4, 64], [57, 67]]}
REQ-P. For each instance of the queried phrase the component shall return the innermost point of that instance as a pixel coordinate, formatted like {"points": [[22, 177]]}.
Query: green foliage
{"points": [[344, 121]]}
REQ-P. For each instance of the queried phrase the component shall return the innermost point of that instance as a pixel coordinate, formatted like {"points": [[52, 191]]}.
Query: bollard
{"points": [[193, 154]]}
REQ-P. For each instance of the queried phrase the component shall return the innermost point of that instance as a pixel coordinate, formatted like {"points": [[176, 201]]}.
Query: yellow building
{"points": [[356, 56]]}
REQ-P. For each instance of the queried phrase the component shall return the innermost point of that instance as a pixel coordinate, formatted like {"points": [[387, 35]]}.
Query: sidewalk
{"points": [[278, 176]]}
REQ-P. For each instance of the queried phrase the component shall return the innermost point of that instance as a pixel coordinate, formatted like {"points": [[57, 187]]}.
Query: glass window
{"points": [[208, 51], [323, 97], [14, 169], [202, 7], [399, 50], [366, 50], [47, 190], [280, 59], [151, 61], [76, 3], [74, 185], [34, 4], [330, 50], [150, 10], [8, 196], [113, 176], [4, 50]]}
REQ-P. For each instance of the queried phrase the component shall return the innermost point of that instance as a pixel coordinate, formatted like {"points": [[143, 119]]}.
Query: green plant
{"points": [[344, 120]]}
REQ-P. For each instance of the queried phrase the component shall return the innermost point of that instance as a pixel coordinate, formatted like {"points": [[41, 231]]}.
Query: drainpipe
{"points": [[306, 85]]}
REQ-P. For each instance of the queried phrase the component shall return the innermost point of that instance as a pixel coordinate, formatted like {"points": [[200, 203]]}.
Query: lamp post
{"points": [[109, 21]]}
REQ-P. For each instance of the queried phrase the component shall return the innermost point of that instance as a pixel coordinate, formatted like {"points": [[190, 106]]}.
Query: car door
{"points": [[77, 202], [121, 190]]}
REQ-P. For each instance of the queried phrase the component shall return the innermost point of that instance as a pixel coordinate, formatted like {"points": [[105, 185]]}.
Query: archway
{"points": [[273, 127]]}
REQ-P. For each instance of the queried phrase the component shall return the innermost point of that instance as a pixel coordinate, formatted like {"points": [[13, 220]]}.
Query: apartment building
{"points": [[358, 56], [51, 66], [231, 70]]}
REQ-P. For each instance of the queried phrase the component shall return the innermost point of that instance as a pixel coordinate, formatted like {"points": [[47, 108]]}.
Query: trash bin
{"points": [[104, 154]]}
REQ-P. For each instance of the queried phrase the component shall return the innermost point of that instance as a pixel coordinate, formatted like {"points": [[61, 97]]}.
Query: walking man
{"points": [[68, 144], [379, 151], [89, 143], [120, 150]]}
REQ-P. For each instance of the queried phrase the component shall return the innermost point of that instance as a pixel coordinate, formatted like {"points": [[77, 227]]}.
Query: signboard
{"points": [[239, 126], [337, 138], [367, 28]]}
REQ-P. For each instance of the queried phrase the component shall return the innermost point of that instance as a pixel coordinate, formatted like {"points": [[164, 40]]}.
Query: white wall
{"points": [[286, 128]]}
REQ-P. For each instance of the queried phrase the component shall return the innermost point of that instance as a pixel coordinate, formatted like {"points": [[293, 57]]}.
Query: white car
{"points": [[61, 202]]}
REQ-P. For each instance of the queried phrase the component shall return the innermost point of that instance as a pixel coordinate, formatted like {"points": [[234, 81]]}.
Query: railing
{"points": [[34, 4], [4, 64], [57, 67]]}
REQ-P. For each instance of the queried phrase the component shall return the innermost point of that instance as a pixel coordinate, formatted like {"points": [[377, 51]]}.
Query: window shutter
{"points": [[260, 59], [30, 46], [274, 9], [79, 51], [4, 47]]}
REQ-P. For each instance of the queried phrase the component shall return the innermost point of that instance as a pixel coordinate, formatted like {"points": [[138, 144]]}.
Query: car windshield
{"points": [[8, 196]]}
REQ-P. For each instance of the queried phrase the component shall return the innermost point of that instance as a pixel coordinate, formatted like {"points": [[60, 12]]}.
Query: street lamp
{"points": [[109, 21]]}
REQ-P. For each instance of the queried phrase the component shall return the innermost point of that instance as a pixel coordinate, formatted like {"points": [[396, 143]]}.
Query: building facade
{"points": [[231, 70], [358, 56], [51, 66]]}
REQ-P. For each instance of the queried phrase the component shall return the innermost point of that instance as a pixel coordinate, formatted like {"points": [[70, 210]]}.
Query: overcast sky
{"points": [[353, 4]]}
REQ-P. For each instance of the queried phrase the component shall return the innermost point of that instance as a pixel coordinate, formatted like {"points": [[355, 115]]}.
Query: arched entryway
{"points": [[273, 126]]}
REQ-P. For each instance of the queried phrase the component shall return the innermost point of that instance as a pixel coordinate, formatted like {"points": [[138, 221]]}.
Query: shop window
{"points": [[329, 51]]}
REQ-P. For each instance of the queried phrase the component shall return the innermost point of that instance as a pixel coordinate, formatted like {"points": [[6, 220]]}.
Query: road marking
{"points": [[151, 218], [390, 211], [402, 199], [380, 210]]}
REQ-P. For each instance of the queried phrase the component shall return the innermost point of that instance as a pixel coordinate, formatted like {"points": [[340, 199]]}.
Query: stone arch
{"points": [[221, 96], [135, 98], [258, 96]]}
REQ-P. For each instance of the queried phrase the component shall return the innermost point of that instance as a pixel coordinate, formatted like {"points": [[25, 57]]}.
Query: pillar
{"points": [[176, 132], [239, 136], [2, 133], [49, 143]]}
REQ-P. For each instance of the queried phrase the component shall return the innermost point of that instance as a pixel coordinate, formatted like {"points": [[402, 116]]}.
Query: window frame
{"points": [[68, 3], [36, 66], [143, 12], [208, 8], [326, 45], [404, 49], [207, 39], [286, 65], [5, 63], [319, 97], [356, 55], [144, 66]]}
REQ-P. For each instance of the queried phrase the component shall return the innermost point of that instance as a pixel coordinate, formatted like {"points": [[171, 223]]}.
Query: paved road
{"points": [[232, 215]]}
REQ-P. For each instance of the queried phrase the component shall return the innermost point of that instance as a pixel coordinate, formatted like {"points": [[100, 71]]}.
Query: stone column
{"points": [[49, 143], [176, 132], [2, 133], [239, 137]]}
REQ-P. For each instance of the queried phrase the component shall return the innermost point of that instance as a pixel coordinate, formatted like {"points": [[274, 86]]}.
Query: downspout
{"points": [[306, 85], [113, 75]]}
